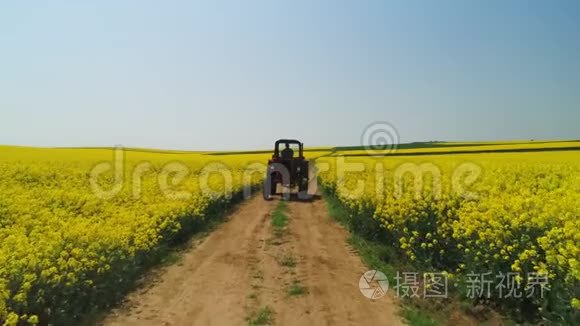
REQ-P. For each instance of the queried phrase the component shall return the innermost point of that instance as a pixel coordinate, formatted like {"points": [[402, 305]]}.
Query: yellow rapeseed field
{"points": [[450, 147], [463, 213], [75, 224]]}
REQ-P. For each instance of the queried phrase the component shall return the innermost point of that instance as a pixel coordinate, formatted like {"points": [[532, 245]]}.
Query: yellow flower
{"points": [[33, 320]]}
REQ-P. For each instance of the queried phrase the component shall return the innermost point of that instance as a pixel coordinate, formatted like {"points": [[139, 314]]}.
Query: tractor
{"points": [[290, 170]]}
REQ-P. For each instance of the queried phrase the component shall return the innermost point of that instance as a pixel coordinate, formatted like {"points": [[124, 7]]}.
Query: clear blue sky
{"points": [[239, 74]]}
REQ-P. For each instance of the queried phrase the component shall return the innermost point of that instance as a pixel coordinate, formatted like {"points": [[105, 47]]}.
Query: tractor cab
{"points": [[285, 150]]}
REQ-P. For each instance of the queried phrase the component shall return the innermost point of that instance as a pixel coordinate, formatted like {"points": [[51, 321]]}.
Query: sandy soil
{"points": [[243, 267]]}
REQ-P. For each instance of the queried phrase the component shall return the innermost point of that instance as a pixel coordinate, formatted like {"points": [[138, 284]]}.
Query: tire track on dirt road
{"points": [[237, 270], [210, 284]]}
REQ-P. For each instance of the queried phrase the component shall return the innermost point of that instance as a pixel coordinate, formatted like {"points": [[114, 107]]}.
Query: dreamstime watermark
{"points": [[108, 179], [374, 285], [352, 174], [380, 138]]}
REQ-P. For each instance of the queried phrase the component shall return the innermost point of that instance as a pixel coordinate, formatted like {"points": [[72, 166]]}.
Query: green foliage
{"points": [[279, 217], [264, 316], [297, 289]]}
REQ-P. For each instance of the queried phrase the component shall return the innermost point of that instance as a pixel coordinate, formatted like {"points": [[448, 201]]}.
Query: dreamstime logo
{"points": [[373, 284], [380, 138], [176, 180]]}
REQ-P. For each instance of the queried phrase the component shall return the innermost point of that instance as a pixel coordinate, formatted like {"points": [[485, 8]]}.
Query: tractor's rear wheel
{"points": [[303, 190], [269, 187], [273, 186]]}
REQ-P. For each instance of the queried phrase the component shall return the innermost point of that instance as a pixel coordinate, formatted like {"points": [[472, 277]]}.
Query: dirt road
{"points": [[305, 275]]}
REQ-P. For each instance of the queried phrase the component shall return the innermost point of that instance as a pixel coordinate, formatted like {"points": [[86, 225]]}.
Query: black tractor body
{"points": [[288, 169]]}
